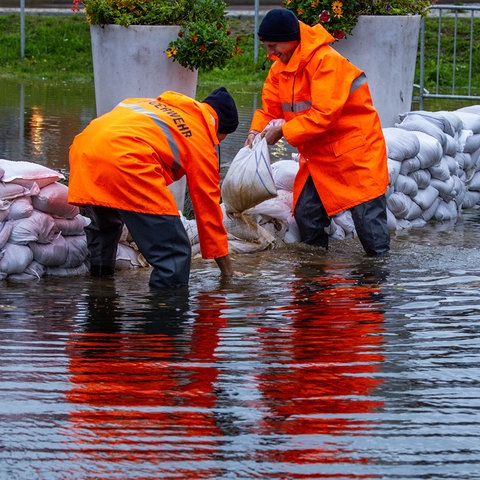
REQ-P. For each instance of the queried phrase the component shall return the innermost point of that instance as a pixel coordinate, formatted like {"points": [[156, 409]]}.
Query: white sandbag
{"points": [[470, 109], [38, 227], [391, 220], [5, 231], [447, 122], [476, 159], [344, 219], [406, 185], [440, 170], [128, 258], [9, 191], [472, 143], [275, 228], [430, 150], [470, 199], [279, 207], [249, 179], [414, 122], [421, 177], [418, 222], [26, 173], [335, 231], [429, 213], [452, 164], [446, 211], [425, 197], [4, 208], [53, 199], [452, 146], [292, 235], [72, 226], [77, 251], [464, 160], [77, 271], [191, 229], [394, 167], [462, 139], [410, 165], [403, 224], [34, 271], [241, 228], [474, 183], [415, 211], [470, 120], [20, 208], [15, 258], [50, 254], [284, 173], [399, 204], [445, 188], [401, 144], [459, 190]]}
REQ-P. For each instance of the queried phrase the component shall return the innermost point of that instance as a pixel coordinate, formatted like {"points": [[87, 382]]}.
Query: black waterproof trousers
{"points": [[161, 239], [369, 218]]}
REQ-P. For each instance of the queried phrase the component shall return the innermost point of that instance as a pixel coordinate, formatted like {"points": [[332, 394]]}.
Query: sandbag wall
{"points": [[40, 232], [433, 163]]}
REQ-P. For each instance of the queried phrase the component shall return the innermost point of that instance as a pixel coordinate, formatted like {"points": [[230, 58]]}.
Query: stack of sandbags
{"points": [[440, 178], [40, 233]]}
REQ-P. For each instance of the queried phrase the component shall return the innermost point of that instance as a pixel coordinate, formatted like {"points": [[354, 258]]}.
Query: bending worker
{"points": [[330, 118], [121, 164]]}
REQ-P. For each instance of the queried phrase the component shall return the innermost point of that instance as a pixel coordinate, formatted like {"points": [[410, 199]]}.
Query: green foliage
{"points": [[134, 12], [204, 41], [339, 17]]}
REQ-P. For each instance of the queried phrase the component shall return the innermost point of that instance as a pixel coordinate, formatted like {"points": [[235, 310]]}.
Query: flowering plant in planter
{"points": [[204, 40], [339, 17]]}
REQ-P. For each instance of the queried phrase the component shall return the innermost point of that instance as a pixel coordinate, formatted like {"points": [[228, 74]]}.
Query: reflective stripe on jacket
{"points": [[126, 158], [330, 119]]}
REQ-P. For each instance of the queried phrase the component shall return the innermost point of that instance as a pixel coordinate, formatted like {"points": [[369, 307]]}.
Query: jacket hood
{"points": [[311, 39]]}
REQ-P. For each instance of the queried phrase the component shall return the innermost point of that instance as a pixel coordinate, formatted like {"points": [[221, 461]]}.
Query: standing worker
{"points": [[330, 118], [121, 164]]}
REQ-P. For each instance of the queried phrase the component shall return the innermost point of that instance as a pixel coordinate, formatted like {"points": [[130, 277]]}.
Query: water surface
{"points": [[309, 365]]}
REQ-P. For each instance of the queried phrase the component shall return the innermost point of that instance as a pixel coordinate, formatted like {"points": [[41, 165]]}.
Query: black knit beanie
{"points": [[222, 102], [279, 25]]}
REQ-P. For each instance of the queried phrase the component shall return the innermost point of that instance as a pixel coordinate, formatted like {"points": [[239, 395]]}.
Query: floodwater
{"points": [[309, 365]]}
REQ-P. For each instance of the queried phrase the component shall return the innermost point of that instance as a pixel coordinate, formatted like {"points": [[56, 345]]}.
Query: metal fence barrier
{"points": [[450, 90]]}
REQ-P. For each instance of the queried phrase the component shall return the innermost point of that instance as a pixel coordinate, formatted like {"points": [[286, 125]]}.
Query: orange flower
{"points": [[194, 38]]}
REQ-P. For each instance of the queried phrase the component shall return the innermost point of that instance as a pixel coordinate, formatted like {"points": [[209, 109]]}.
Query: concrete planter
{"points": [[385, 48], [131, 62]]}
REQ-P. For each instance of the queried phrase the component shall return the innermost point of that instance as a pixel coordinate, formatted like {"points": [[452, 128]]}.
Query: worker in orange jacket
{"points": [[330, 118], [121, 165]]}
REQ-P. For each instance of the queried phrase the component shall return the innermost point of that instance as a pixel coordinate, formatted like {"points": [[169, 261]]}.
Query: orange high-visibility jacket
{"points": [[126, 158], [330, 119]]}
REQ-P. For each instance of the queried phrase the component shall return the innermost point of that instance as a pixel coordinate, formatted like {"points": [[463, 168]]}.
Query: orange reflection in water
{"points": [[146, 398], [323, 385]]}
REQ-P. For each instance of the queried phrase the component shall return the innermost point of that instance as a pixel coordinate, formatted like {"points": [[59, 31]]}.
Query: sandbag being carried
{"points": [[249, 179]]}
